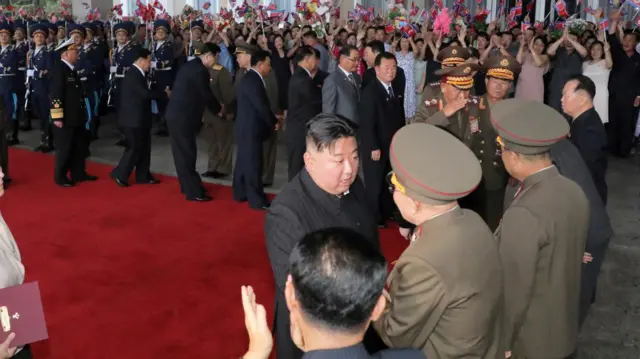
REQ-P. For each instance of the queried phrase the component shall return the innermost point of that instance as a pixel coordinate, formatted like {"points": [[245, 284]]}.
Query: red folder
{"points": [[21, 313]]}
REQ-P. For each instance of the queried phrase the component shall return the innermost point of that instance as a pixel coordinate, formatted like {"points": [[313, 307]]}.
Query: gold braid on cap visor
{"points": [[398, 186], [461, 82], [453, 61], [501, 73]]}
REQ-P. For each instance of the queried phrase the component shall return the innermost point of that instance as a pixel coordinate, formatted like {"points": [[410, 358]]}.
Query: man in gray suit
{"points": [[341, 89]]}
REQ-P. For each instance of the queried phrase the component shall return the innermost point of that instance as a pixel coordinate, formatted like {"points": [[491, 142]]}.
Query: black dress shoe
{"points": [[264, 207], [204, 198], [121, 143], [119, 182], [268, 184], [26, 128], [86, 178], [162, 133], [214, 175], [150, 181]]}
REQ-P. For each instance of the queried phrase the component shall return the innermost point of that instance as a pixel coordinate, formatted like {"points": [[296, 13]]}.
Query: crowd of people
{"points": [[488, 150]]}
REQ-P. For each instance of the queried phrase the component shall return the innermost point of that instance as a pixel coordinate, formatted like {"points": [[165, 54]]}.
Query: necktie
{"points": [[390, 91], [352, 79]]}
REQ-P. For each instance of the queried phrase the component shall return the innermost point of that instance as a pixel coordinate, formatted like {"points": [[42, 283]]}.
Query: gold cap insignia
{"points": [[434, 101], [467, 70], [56, 106], [504, 62], [454, 52]]}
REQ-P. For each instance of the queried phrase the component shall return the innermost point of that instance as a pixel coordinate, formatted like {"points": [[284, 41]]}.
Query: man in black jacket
{"points": [[191, 93], [326, 193], [136, 122], [587, 130], [371, 51], [305, 102], [70, 119], [382, 114], [567, 159], [254, 124]]}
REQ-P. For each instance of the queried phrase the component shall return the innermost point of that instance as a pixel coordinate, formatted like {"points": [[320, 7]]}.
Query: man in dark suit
{"points": [[136, 122], [381, 115], [305, 101], [190, 95], [341, 89], [587, 130], [570, 164], [334, 291], [70, 119], [371, 51], [255, 122], [318, 75]]}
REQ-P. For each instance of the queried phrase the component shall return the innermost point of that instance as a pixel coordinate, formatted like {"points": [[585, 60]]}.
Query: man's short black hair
{"points": [[310, 33], [338, 278], [635, 35], [384, 55], [584, 84], [303, 52], [210, 47], [142, 53], [325, 129], [346, 50], [259, 56], [381, 28], [376, 46]]}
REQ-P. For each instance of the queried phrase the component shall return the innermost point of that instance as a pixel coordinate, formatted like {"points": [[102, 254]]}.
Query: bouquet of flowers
{"points": [[394, 13], [577, 26]]}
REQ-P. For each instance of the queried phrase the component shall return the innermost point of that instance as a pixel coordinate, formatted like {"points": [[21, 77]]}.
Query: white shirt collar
{"points": [[264, 83], [123, 45], [345, 71], [68, 64], [308, 72], [141, 71], [386, 85], [159, 43]]}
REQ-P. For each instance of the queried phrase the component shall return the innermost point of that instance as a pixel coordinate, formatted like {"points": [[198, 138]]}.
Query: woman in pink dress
{"points": [[535, 63]]}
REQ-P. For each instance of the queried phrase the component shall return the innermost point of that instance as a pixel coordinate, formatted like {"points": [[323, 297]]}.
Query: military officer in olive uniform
{"points": [[219, 130], [542, 235], [162, 65], [453, 108], [448, 57], [488, 199], [445, 290]]}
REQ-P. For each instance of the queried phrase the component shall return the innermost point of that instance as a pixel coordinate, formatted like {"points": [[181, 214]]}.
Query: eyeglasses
{"points": [[394, 184]]}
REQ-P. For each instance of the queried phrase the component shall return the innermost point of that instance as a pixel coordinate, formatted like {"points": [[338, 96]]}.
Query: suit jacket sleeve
{"points": [[400, 82], [519, 253], [202, 81], [587, 143], [282, 231], [56, 93], [257, 96], [329, 95], [415, 293]]}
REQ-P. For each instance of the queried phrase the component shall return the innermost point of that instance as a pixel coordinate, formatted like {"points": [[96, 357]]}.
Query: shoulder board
{"points": [[217, 67], [473, 100], [434, 84], [431, 102]]}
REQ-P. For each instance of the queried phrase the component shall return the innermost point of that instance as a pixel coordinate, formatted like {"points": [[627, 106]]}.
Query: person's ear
{"points": [[290, 294], [309, 161], [379, 308]]}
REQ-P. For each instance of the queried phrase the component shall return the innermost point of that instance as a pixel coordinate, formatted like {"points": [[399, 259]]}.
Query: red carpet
{"points": [[138, 272]]}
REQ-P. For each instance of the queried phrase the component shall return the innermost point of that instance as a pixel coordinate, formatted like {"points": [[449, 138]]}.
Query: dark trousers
{"points": [[185, 154], [94, 105], [488, 203], [622, 124], [247, 174], [589, 280], [10, 101], [162, 107], [40, 104], [296, 147], [21, 90], [71, 150], [4, 153], [137, 154], [374, 173]]}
